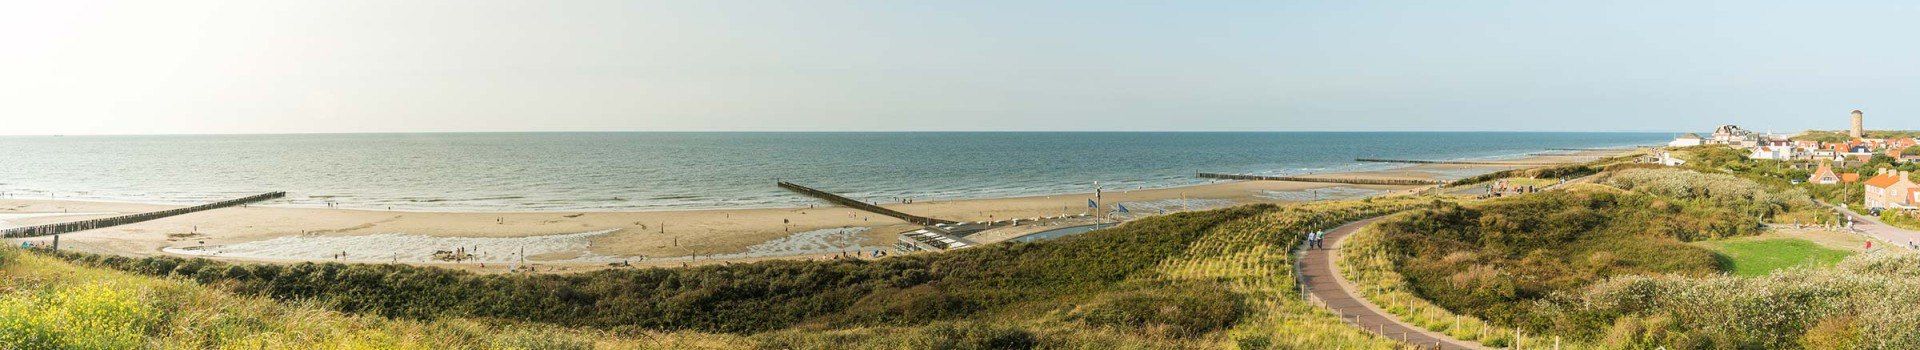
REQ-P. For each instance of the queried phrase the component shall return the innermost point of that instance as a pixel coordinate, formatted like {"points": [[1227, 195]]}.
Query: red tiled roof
{"points": [[1884, 180], [1850, 177]]}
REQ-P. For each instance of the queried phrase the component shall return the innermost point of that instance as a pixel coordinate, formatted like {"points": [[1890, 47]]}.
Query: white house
{"points": [[1667, 159], [1771, 152], [1687, 140]]}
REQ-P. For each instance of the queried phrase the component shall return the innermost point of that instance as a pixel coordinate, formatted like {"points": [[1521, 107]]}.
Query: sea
{"points": [[649, 171]]}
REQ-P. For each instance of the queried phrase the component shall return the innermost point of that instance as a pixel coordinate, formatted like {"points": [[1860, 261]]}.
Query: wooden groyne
{"points": [[1397, 182], [83, 225], [1595, 149], [851, 203], [1464, 162]]}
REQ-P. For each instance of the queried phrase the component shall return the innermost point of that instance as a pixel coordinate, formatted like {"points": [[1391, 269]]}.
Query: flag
{"points": [[1123, 207], [1092, 204]]}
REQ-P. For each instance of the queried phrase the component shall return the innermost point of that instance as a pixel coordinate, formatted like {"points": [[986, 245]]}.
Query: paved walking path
{"points": [[1324, 282], [1872, 226]]}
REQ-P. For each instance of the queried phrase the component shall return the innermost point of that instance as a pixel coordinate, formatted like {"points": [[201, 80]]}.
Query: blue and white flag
{"points": [[1092, 204], [1123, 207]]}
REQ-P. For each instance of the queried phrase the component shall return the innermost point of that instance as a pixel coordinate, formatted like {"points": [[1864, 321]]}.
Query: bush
{"points": [[1494, 259], [1180, 312], [1860, 303]]}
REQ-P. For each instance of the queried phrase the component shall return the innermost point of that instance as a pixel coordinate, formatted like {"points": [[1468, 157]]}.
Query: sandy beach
{"points": [[258, 233]]}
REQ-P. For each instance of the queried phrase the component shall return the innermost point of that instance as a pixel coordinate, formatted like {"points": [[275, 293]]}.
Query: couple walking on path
{"points": [[1314, 238]]}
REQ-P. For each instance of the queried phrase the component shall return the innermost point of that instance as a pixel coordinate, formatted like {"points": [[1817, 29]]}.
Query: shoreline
{"points": [[635, 235], [1389, 170]]}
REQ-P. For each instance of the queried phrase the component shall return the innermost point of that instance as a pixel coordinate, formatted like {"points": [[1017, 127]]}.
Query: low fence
{"points": [[1397, 182], [849, 202], [83, 225]]}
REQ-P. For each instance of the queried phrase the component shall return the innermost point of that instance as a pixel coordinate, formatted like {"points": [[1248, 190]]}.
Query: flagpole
{"points": [[1096, 201]]}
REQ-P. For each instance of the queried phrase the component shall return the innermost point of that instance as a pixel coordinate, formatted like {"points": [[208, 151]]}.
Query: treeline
{"points": [[1090, 278], [1720, 194]]}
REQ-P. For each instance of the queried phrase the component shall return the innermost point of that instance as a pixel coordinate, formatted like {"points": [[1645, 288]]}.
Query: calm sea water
{"points": [[664, 171]]}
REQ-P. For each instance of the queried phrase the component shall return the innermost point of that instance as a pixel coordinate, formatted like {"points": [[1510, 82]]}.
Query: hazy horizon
{"points": [[211, 67], [765, 131]]}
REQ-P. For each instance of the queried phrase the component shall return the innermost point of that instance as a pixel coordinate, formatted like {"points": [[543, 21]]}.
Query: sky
{"points": [[193, 67]]}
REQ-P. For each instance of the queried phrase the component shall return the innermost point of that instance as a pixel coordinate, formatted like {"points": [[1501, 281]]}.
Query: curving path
{"points": [[1325, 284], [1872, 227]]}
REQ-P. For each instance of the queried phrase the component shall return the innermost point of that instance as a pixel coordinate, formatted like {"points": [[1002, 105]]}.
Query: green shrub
{"points": [[1494, 259], [1182, 311]]}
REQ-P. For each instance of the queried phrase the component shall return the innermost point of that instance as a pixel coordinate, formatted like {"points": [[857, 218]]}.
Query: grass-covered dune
{"points": [[1759, 256], [1639, 259], [1202, 280], [1864, 302], [46, 303], [1493, 259]]}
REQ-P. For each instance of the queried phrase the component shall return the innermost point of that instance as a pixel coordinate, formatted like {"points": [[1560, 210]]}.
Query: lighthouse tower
{"points": [[1858, 130]]}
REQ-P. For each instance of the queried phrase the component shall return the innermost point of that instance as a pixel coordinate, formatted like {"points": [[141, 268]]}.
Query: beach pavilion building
{"points": [[1687, 140]]}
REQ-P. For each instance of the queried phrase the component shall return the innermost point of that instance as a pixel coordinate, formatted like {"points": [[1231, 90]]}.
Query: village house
{"points": [[1890, 189], [1824, 175], [1771, 152]]}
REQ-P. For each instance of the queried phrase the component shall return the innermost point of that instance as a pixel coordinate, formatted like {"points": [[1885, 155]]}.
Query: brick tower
{"points": [[1858, 130]]}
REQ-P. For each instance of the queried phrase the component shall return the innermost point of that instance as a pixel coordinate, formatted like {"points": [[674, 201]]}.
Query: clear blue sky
{"points": [[398, 66]]}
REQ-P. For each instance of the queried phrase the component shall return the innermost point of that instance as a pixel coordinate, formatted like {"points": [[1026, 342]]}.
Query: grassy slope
{"points": [[50, 304], [1760, 255], [1496, 259], [1203, 280]]}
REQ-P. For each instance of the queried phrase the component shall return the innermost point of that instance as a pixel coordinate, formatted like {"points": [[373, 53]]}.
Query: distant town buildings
{"points": [[1886, 189]]}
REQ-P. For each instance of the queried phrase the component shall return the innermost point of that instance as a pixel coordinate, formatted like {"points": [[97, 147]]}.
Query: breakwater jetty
{"points": [[1596, 149], [83, 225], [1465, 162], [851, 203], [1401, 182]]}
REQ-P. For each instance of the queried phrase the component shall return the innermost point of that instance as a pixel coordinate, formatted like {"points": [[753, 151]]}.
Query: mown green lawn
{"points": [[1755, 257]]}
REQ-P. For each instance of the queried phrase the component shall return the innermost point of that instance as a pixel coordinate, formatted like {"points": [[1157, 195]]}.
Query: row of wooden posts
{"points": [[851, 203], [83, 225], [1465, 162], [1408, 182]]}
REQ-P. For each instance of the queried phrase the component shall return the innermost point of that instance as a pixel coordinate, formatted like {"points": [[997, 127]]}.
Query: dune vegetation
{"points": [[46, 303], [1610, 265], [1861, 303], [1210, 279], [1493, 259], [1758, 257]]}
